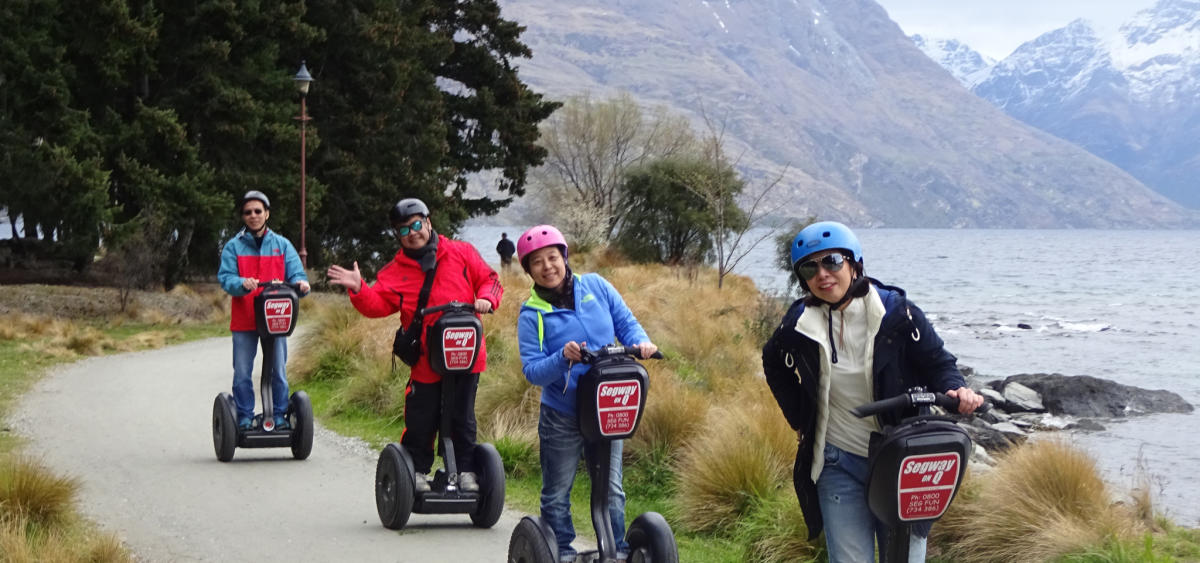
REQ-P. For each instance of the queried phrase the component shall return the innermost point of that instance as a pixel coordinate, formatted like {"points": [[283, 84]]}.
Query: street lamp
{"points": [[303, 80]]}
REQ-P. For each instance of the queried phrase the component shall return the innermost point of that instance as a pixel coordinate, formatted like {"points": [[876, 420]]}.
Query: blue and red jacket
{"points": [[243, 258]]}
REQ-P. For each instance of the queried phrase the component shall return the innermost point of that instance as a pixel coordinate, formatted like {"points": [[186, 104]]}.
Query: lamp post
{"points": [[303, 79]]}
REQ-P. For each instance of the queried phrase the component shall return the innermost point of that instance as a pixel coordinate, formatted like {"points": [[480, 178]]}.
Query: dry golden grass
{"points": [[674, 413], [745, 454], [1044, 500], [30, 492], [22, 542]]}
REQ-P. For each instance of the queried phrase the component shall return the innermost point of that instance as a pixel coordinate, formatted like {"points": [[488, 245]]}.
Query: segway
{"points": [[276, 310], [915, 467], [453, 343], [610, 399]]}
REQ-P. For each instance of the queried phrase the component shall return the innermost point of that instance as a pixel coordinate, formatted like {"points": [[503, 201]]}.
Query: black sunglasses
{"points": [[404, 230], [255, 211], [831, 263]]}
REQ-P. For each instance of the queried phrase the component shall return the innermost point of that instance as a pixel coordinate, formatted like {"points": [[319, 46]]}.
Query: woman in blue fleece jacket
{"points": [[564, 313]]}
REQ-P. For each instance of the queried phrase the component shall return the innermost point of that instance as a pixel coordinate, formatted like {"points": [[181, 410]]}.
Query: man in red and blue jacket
{"points": [[257, 255], [460, 274]]}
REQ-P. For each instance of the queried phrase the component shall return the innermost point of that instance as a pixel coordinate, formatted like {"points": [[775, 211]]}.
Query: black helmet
{"points": [[255, 194], [407, 207]]}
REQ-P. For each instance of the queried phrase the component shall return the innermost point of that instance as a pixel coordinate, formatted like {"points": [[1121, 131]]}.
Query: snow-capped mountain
{"points": [[966, 64], [1132, 98], [836, 101]]}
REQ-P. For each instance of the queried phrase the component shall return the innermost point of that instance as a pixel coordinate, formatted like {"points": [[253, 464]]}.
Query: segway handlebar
{"points": [[281, 283], [912, 398], [451, 306], [589, 356]]}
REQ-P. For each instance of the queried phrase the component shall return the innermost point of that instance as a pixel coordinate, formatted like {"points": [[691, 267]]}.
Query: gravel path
{"points": [[136, 430]]}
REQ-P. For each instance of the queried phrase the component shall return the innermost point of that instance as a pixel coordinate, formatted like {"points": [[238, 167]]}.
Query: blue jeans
{"points": [[561, 445], [245, 347], [850, 528]]}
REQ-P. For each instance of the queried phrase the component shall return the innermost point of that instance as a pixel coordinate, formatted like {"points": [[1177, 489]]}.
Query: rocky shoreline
{"points": [[1027, 403]]}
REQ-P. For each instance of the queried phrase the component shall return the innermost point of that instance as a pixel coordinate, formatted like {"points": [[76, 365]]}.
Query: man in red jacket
{"points": [[460, 275]]}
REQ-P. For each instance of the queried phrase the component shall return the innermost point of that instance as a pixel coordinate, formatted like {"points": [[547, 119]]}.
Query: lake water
{"points": [[1112, 304]]}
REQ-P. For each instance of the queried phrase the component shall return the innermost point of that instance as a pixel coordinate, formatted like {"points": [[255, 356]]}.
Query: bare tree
{"points": [[732, 240], [591, 145]]}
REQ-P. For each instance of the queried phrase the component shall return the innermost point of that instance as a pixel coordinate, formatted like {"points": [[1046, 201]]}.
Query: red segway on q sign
{"points": [[916, 467], [611, 397], [276, 310], [453, 342]]}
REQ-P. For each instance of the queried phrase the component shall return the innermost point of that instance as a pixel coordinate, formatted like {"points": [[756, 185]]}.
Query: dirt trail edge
{"points": [[136, 430]]}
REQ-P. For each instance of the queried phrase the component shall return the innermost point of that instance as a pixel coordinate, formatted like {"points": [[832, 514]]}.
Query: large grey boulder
{"points": [[1087, 396], [1020, 398]]}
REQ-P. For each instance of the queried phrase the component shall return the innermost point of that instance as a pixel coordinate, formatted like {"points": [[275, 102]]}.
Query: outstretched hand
{"points": [[349, 279]]}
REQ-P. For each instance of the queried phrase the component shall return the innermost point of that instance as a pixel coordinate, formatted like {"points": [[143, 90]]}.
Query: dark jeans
{"points": [[422, 420]]}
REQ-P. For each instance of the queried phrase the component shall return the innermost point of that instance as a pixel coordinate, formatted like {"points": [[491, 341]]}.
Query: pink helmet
{"points": [[537, 237]]}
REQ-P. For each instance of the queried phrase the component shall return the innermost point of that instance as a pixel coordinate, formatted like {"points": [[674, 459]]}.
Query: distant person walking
{"points": [[505, 248]]}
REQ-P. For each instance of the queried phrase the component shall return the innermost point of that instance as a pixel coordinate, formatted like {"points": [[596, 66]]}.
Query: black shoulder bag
{"points": [[407, 344]]}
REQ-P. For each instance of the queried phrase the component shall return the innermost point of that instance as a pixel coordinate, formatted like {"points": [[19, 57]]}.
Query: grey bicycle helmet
{"points": [[406, 208], [255, 194]]}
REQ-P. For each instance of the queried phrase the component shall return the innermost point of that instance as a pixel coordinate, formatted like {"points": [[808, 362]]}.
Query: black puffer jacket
{"points": [[908, 353]]}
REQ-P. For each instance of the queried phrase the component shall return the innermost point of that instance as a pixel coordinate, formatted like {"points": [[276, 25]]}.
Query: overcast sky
{"points": [[997, 27]]}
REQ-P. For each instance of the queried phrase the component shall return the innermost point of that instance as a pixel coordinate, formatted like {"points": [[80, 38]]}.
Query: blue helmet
{"points": [[825, 235]]}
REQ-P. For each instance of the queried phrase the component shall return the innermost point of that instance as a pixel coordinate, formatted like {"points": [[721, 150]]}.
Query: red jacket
{"points": [[461, 275]]}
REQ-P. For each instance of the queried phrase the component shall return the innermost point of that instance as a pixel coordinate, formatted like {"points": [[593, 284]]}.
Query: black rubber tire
{"points": [[490, 469], [394, 487], [301, 419], [532, 542], [651, 540], [224, 427]]}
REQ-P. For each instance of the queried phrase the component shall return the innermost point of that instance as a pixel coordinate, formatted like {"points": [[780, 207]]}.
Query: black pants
{"points": [[422, 420]]}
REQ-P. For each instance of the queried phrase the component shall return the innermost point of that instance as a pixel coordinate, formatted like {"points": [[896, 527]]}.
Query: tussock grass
{"points": [[1044, 500], [674, 413], [30, 492], [774, 531], [23, 542], [745, 455]]}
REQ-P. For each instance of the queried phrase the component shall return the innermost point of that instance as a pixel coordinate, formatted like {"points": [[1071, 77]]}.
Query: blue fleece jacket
{"points": [[600, 318]]}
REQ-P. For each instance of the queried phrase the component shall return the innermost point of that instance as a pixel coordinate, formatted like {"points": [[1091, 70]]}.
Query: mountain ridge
{"points": [[867, 128]]}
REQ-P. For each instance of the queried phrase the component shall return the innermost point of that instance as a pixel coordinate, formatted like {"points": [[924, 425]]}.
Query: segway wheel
{"points": [[300, 412], [532, 542], [491, 486], [651, 540], [394, 484], [224, 427]]}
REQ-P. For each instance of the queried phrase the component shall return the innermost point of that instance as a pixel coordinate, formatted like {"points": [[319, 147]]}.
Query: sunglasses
{"points": [[255, 211], [831, 263], [403, 231]]}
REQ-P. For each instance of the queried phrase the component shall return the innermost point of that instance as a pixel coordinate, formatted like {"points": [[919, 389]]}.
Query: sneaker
{"points": [[281, 423], [245, 423], [467, 482], [422, 483]]}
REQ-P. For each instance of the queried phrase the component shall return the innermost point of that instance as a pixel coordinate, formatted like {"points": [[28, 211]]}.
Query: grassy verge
{"points": [[38, 520], [713, 454]]}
